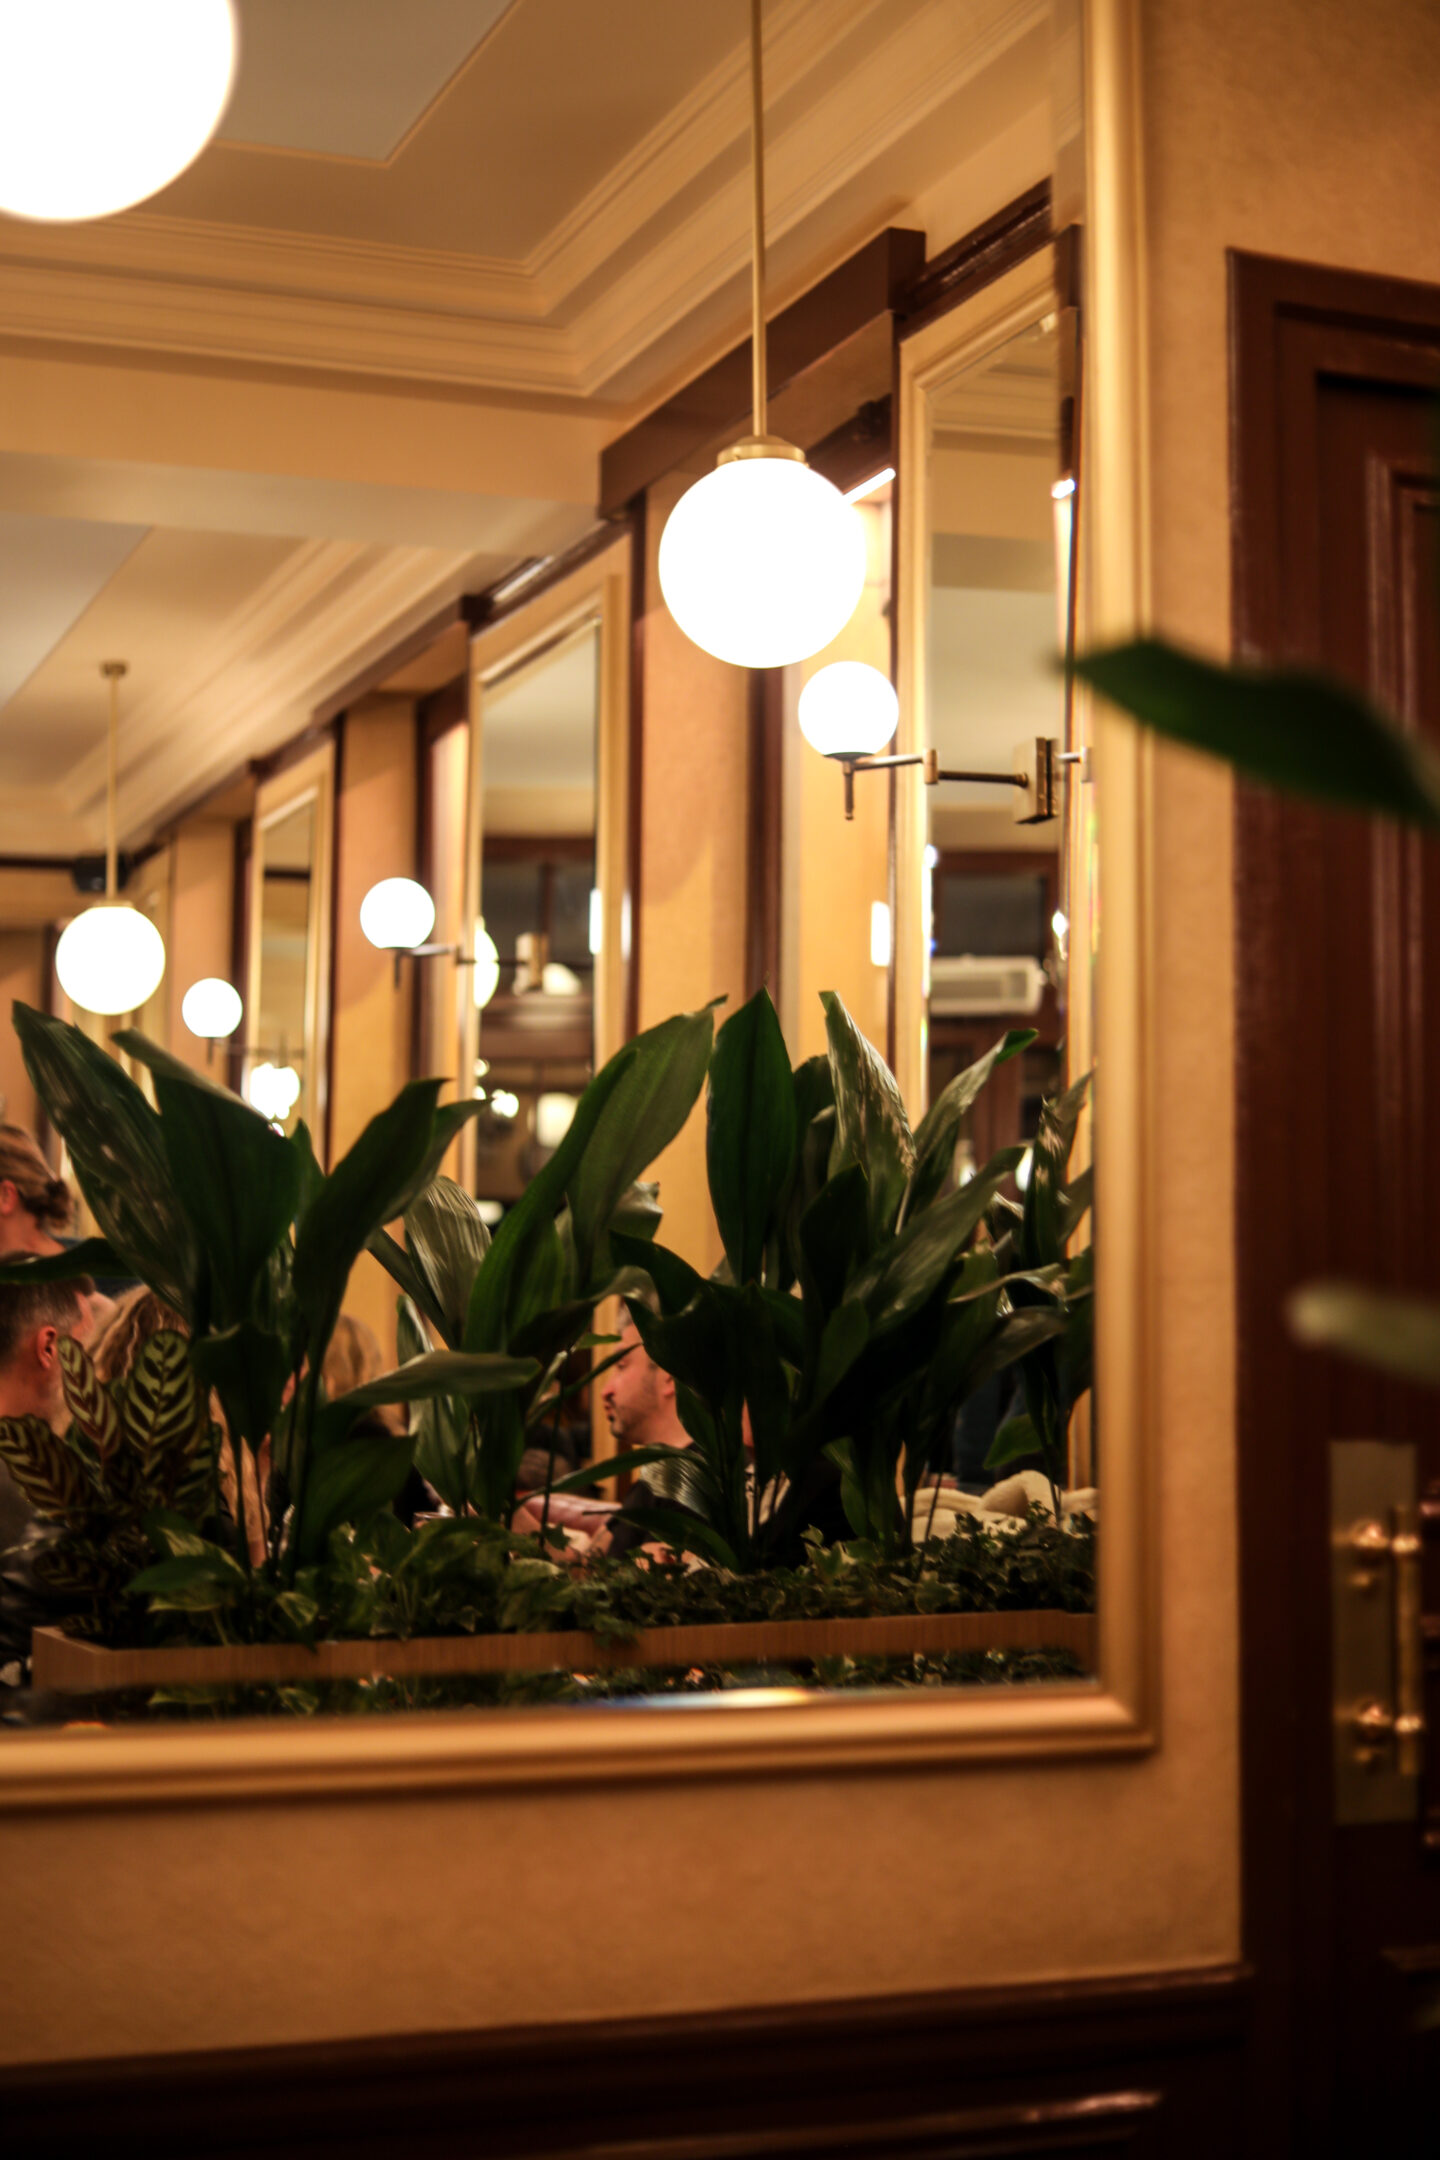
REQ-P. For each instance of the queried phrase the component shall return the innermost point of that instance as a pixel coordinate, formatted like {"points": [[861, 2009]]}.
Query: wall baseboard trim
{"points": [[1146, 2063]]}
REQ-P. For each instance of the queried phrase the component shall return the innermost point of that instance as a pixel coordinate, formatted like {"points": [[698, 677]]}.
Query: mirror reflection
{"points": [[278, 1077], [539, 908]]}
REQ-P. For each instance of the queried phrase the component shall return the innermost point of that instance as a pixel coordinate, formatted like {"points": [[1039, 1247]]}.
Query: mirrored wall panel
{"points": [[540, 917]]}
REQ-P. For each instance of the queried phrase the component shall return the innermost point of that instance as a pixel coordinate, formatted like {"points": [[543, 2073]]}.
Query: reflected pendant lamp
{"points": [[111, 958], [105, 102], [762, 562]]}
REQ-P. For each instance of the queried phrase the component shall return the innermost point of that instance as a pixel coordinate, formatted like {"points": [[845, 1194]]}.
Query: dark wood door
{"points": [[1338, 1173]]}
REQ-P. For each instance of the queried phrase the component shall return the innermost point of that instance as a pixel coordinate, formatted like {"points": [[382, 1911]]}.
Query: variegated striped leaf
{"points": [[162, 1408], [50, 1474], [90, 1402]]}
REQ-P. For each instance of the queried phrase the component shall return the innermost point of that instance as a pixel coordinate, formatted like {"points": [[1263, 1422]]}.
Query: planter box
{"points": [[66, 1666]]}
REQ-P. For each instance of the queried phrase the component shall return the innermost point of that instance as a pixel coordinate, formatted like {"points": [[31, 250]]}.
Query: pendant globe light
{"points": [[110, 959], [104, 102], [762, 562]]}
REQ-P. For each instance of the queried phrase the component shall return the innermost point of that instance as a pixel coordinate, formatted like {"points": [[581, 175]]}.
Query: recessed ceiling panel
{"points": [[50, 570], [347, 78]]}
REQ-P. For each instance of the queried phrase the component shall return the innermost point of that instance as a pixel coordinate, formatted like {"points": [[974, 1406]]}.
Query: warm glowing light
{"points": [[1062, 488], [397, 914], [932, 856], [848, 710], [504, 1104], [1060, 922], [487, 967], [879, 933], [274, 1091], [762, 562], [104, 102], [872, 486], [553, 1117], [1023, 1169], [211, 1008], [110, 959], [597, 918], [557, 980]]}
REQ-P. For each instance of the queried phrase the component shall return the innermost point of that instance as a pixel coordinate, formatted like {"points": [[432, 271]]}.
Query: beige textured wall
{"points": [[1304, 129], [202, 874], [21, 959], [692, 877]]}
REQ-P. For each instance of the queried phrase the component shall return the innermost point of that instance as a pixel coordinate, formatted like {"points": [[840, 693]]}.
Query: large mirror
{"points": [[283, 1053]]}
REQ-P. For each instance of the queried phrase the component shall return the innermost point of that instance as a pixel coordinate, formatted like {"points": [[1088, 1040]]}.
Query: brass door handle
{"points": [[1374, 1726]]}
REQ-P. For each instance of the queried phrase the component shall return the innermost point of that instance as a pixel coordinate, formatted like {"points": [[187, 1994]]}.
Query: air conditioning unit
{"points": [[963, 987]]}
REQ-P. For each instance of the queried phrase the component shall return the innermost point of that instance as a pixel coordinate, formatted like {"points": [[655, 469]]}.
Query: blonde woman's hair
{"points": [[22, 1165], [138, 1316]]}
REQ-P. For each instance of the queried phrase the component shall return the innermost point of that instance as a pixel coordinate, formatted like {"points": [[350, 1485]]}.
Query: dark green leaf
{"points": [[609, 1466], [398, 1264], [682, 1533], [676, 1283], [114, 1142], [368, 1187], [350, 1483], [908, 1271], [248, 1367], [1295, 730], [750, 1132], [505, 1285], [663, 1073], [447, 1241], [441, 1372], [939, 1129], [1016, 1439], [835, 1236], [870, 1123], [1042, 1231], [239, 1183], [88, 1256]]}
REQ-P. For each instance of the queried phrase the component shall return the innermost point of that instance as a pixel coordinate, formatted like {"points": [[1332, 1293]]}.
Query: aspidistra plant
{"points": [[857, 1302]]}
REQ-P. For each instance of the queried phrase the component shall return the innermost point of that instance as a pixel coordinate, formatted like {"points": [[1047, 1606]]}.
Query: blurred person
{"points": [[639, 1403], [34, 1318], [35, 1208]]}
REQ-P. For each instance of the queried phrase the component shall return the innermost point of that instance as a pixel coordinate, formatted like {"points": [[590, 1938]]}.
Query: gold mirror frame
{"points": [[1117, 1715], [311, 779]]}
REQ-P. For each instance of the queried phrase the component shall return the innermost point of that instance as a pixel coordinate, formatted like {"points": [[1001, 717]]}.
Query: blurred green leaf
{"points": [[369, 1186], [910, 1269], [1291, 729], [350, 1483], [1400, 1335], [88, 1256], [447, 1243]]}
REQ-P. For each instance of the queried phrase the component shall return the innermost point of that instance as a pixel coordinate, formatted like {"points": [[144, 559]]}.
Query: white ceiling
{"points": [[362, 355], [347, 78]]}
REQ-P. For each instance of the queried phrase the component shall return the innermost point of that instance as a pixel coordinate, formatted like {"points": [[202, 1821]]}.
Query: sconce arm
{"points": [[1033, 772]]}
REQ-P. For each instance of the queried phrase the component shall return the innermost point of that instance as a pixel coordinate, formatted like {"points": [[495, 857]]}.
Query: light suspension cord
{"points": [[757, 263], [112, 670]]}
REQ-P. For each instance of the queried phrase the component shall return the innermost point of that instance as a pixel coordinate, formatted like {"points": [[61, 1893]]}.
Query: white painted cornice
{"points": [[596, 291]]}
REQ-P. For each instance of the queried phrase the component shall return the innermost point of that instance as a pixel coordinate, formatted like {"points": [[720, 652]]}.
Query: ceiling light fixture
{"points": [[110, 959], [104, 102], [762, 562]]}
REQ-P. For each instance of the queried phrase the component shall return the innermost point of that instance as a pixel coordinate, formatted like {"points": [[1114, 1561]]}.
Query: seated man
{"points": [[639, 1404], [33, 1318]]}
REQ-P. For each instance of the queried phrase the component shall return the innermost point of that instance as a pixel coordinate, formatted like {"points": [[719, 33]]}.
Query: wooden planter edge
{"points": [[64, 1665]]}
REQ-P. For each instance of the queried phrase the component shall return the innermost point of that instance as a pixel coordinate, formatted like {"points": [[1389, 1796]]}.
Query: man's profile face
{"points": [[631, 1393]]}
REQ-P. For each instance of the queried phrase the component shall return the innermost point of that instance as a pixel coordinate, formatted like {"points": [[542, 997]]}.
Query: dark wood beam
{"points": [[872, 282]]}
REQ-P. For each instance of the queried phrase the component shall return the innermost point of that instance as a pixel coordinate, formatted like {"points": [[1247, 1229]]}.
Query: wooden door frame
{"points": [[1289, 324]]}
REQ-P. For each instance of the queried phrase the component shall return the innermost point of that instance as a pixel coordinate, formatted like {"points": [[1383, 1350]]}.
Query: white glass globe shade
{"points": [[211, 1008], [110, 959], [762, 562], [848, 710], [554, 1115], [487, 966], [103, 102], [397, 914], [274, 1091]]}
